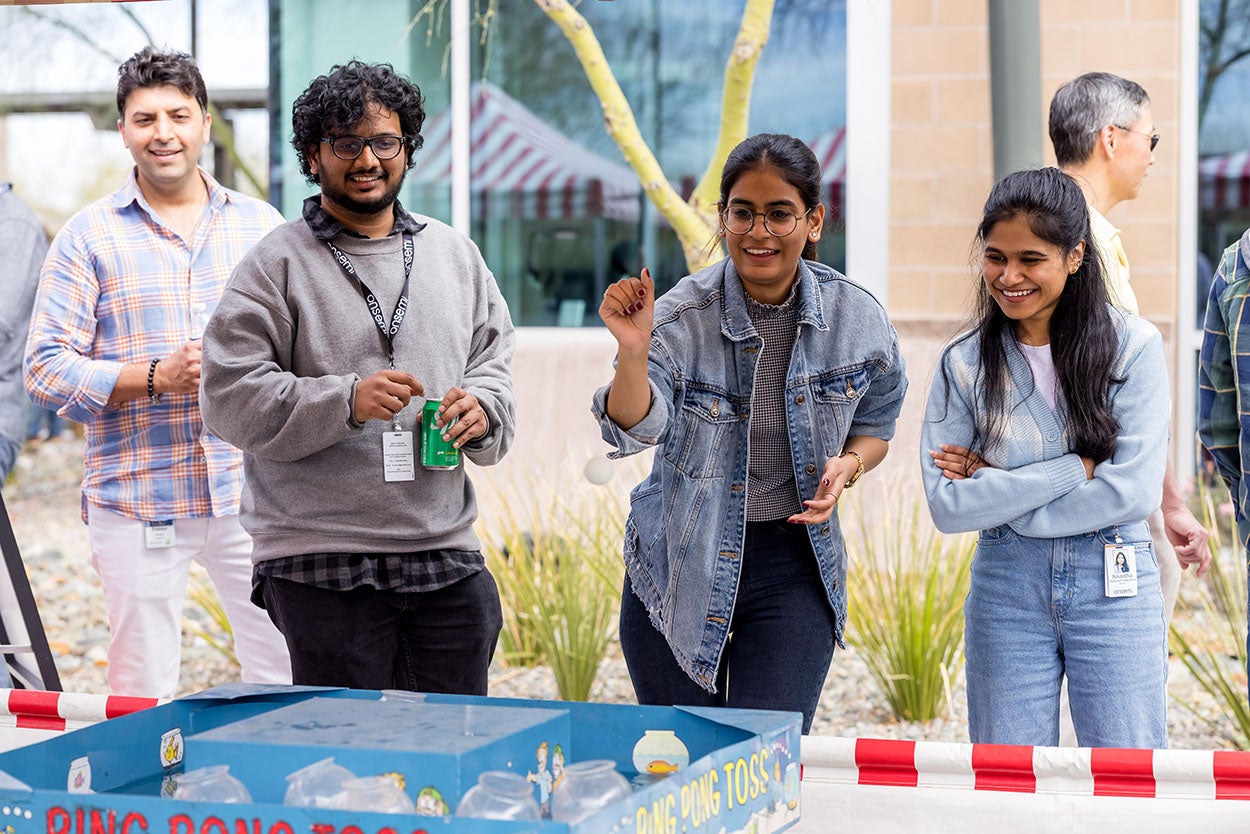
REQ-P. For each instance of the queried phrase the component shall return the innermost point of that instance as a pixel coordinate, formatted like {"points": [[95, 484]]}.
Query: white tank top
{"points": [[1042, 364]]}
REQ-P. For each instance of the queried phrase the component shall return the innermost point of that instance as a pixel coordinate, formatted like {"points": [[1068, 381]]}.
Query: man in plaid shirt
{"points": [[114, 344], [1224, 379]]}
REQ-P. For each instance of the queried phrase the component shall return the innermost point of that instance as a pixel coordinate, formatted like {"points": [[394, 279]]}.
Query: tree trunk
{"points": [[695, 222]]}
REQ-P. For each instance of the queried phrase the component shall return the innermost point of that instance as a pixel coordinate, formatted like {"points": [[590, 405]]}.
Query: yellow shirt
{"points": [[1114, 261]]}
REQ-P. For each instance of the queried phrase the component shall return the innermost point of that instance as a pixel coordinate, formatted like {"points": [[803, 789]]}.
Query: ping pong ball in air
{"points": [[598, 470]]}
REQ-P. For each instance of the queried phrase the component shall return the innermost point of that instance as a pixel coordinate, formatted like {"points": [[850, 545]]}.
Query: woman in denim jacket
{"points": [[1046, 429], [762, 381]]}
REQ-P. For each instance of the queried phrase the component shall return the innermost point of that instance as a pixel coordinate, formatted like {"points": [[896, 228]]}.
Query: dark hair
{"points": [[1087, 104], [151, 67], [338, 101], [790, 157], [1083, 340]]}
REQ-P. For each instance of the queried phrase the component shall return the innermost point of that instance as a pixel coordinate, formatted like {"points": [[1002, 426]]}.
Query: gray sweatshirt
{"points": [[22, 247], [282, 353]]}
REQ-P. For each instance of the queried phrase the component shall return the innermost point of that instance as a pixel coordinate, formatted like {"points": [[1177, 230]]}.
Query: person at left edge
{"points": [[366, 560], [22, 248], [114, 344]]}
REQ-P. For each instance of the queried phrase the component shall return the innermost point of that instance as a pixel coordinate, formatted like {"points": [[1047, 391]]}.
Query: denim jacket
{"points": [[1034, 483], [687, 521]]}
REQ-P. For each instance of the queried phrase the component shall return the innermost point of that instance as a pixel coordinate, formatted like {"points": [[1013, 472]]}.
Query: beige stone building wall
{"points": [[942, 152], [1140, 40]]}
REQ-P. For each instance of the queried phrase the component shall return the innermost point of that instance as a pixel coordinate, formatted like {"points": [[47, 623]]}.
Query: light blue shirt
{"points": [[1034, 483]]}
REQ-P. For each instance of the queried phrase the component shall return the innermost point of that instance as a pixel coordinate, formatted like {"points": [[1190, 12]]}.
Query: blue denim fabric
{"points": [[9, 450], [1037, 611], [684, 536], [781, 638]]}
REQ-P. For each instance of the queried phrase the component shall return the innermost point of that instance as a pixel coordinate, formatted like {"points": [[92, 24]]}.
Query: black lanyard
{"points": [[375, 309]]}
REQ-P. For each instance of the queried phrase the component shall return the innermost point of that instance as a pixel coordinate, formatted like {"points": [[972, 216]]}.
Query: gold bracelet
{"points": [[858, 472]]}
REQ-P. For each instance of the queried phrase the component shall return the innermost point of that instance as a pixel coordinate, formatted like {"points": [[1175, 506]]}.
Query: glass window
{"points": [[1223, 141], [557, 211]]}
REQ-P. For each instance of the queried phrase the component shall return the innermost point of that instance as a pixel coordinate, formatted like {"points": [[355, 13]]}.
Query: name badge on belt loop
{"points": [[159, 534], [1119, 562]]}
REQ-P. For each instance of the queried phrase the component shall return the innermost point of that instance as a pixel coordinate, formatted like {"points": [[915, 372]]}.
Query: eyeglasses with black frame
{"points": [[350, 147], [1154, 137], [778, 222]]}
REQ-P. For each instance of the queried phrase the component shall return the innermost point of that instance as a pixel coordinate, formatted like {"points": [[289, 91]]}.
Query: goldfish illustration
{"points": [[430, 802], [659, 767]]}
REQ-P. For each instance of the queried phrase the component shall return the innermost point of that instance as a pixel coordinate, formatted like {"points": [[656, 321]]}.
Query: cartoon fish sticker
{"points": [[659, 767]]}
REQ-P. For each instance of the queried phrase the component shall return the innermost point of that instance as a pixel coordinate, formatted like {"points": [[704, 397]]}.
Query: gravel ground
{"points": [[43, 502]]}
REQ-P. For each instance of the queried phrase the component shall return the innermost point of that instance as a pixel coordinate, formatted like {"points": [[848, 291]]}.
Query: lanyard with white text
{"points": [[375, 309]]}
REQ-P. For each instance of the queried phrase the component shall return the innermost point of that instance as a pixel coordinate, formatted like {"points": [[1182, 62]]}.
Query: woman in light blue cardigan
{"points": [[1046, 430]]}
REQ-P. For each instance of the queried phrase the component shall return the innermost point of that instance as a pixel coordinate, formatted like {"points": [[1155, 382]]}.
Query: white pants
{"points": [[144, 592]]}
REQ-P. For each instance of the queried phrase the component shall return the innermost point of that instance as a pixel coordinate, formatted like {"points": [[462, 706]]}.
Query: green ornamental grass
{"points": [[559, 573], [906, 589], [1208, 634]]}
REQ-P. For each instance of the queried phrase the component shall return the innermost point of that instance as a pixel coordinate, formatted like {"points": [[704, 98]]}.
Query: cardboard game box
{"points": [[114, 777]]}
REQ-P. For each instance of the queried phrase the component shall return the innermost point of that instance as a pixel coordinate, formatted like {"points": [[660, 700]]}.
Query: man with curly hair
{"points": [[317, 365], [114, 344]]}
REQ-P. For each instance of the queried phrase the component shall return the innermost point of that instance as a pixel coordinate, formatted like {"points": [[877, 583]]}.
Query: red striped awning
{"points": [[830, 150], [522, 167], [1224, 181]]}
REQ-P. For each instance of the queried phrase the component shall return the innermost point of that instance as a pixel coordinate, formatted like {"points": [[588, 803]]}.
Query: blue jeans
{"points": [[780, 641], [1037, 610], [365, 638], [43, 418], [8, 456]]}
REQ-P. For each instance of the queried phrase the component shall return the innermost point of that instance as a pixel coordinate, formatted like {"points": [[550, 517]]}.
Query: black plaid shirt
{"points": [[325, 227], [416, 572]]}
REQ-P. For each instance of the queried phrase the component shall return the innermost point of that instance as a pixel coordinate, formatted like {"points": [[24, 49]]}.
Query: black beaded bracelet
{"points": [[152, 395]]}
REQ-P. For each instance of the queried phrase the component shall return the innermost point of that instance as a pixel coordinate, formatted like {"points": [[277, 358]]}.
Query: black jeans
{"points": [[436, 641], [780, 641]]}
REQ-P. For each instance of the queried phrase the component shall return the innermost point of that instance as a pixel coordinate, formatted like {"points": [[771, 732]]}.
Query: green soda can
{"points": [[436, 453]]}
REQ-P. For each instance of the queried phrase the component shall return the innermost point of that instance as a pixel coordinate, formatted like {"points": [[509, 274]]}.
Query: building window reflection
{"points": [[556, 211]]}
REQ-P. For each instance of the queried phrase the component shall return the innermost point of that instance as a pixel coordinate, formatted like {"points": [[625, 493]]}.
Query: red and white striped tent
{"points": [[1224, 181], [830, 150], [522, 167]]}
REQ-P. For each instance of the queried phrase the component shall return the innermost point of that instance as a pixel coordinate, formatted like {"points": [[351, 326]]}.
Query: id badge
{"points": [[398, 456], [159, 534], [1119, 563]]}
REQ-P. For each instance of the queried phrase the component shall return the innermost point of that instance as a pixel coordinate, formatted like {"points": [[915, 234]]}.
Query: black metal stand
{"points": [[23, 643]]}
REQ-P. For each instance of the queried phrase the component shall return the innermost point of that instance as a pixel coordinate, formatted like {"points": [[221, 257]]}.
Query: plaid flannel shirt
{"points": [[1224, 378], [119, 286]]}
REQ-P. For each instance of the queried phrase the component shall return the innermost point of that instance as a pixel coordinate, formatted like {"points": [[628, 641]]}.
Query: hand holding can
{"points": [[436, 453]]}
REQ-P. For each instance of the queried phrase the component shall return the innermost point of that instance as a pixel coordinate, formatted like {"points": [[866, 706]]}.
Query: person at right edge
{"points": [[768, 383], [366, 561]]}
